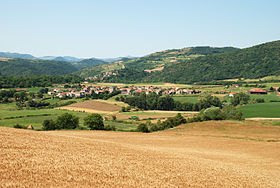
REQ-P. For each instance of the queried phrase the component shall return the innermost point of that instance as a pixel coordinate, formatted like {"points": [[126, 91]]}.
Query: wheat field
{"points": [[173, 158]]}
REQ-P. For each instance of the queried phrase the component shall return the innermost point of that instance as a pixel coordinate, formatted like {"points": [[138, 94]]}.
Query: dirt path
{"points": [[120, 159]]}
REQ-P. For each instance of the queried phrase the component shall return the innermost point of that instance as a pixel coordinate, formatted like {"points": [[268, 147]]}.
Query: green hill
{"points": [[19, 67], [88, 63], [254, 62], [155, 61]]}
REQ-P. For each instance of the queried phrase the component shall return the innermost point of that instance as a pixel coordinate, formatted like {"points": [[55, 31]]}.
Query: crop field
{"points": [[93, 106], [266, 110], [206, 154]]}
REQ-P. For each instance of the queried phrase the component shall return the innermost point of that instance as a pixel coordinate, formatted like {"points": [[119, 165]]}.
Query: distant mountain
{"points": [[110, 60], [19, 67], [61, 58], [88, 63], [16, 55]]}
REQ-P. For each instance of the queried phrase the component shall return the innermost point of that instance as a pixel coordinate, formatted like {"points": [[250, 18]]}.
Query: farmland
{"points": [[267, 110], [211, 154]]}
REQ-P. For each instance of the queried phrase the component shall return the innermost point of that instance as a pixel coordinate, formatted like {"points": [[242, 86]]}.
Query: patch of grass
{"points": [[184, 98], [266, 110], [121, 125]]}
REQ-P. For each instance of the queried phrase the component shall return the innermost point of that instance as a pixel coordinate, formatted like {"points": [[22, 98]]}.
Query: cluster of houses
{"points": [[89, 90], [152, 89]]}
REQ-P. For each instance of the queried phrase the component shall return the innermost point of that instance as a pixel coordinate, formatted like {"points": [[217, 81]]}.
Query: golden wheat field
{"points": [[208, 154]]}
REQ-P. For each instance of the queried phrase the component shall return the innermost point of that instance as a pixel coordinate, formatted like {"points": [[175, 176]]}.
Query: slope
{"points": [[19, 67], [254, 62], [155, 61]]}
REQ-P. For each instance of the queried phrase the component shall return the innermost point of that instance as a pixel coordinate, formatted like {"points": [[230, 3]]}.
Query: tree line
{"points": [[153, 101]]}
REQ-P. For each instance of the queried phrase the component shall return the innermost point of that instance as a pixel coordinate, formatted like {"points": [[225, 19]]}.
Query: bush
{"points": [[215, 113], [94, 122], [143, 128], [114, 118], [49, 125], [109, 128], [67, 121], [18, 126]]}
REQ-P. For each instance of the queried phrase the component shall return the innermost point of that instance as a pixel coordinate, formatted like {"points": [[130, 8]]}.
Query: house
{"points": [[257, 91], [235, 85], [231, 94], [51, 92]]}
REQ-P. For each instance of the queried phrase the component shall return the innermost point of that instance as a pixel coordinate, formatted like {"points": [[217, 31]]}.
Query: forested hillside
{"points": [[19, 67], [88, 63], [255, 62], [155, 61]]}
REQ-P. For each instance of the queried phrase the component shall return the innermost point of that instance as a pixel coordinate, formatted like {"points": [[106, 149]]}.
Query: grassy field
{"points": [[10, 116], [188, 98], [267, 110]]}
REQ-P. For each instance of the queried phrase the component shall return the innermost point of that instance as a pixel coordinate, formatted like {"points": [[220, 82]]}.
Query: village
{"points": [[84, 90]]}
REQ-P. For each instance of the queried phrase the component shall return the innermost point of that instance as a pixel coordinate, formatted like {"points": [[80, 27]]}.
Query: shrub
{"points": [[18, 126], [114, 118], [110, 128], [143, 128], [67, 121], [49, 125], [94, 122]]}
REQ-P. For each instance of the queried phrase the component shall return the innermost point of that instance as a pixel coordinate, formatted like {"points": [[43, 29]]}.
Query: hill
{"points": [[254, 62], [88, 63], [19, 67], [16, 55], [154, 62]]}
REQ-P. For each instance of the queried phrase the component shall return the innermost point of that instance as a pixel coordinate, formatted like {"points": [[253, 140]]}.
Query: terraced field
{"points": [[207, 154]]}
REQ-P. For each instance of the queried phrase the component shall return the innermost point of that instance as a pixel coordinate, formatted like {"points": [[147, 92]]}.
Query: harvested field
{"points": [[93, 106], [172, 158]]}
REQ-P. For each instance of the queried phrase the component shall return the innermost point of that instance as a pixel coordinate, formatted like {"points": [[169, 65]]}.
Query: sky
{"points": [[118, 28]]}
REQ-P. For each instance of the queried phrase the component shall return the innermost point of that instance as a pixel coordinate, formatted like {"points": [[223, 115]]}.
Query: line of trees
{"points": [[154, 101], [69, 121]]}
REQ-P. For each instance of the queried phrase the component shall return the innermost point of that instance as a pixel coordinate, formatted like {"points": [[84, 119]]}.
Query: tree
{"points": [[67, 121], [143, 128], [94, 122], [240, 98], [49, 125]]}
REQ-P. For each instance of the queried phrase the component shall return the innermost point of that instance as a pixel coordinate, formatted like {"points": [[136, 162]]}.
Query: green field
{"points": [[10, 116], [266, 110], [184, 98], [267, 98]]}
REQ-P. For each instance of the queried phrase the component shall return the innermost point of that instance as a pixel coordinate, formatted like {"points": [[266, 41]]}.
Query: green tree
{"points": [[94, 122], [143, 128], [67, 121], [240, 98], [49, 125]]}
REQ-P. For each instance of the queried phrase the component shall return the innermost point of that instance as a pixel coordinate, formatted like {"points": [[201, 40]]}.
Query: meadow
{"points": [[10, 116], [267, 110], [186, 98]]}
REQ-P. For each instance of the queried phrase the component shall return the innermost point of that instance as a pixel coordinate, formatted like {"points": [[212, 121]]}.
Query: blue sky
{"points": [[112, 28]]}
